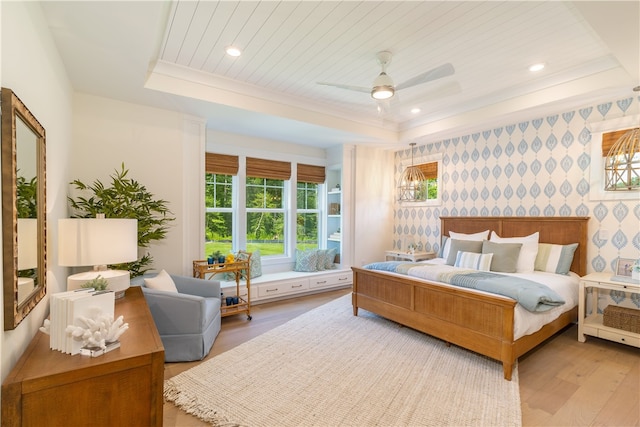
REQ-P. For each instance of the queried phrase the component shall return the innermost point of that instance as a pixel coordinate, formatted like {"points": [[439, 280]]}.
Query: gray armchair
{"points": [[188, 321]]}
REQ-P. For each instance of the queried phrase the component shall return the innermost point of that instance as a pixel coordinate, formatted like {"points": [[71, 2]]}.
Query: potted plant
{"points": [[99, 284], [125, 198], [218, 257]]}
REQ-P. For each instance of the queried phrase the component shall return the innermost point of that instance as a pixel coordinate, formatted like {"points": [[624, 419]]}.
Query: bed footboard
{"points": [[477, 322]]}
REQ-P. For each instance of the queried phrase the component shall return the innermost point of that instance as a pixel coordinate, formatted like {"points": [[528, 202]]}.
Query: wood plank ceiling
{"points": [[290, 46]]}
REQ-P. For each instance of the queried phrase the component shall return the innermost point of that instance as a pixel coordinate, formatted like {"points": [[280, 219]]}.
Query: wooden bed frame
{"points": [[478, 322]]}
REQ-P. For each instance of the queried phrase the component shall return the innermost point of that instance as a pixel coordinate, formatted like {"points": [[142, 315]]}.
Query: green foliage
{"points": [[99, 284], [126, 198]]}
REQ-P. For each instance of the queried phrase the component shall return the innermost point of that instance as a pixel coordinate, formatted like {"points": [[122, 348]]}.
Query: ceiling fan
{"points": [[383, 87]]}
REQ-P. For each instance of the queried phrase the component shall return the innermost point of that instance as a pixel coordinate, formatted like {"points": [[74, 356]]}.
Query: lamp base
{"points": [[118, 280]]}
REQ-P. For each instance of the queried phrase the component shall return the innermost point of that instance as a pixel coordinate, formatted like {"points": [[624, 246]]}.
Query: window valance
{"points": [[429, 170]]}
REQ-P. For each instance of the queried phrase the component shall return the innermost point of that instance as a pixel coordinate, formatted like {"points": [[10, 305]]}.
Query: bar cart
{"points": [[240, 269]]}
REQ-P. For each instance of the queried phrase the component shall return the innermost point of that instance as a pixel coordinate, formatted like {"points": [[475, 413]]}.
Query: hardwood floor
{"points": [[562, 383]]}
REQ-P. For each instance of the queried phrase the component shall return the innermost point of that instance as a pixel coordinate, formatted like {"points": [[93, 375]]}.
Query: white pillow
{"points": [[528, 252], [162, 282], [473, 260], [478, 237]]}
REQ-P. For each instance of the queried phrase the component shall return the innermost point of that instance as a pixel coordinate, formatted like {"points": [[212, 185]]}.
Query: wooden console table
{"points": [[120, 388]]}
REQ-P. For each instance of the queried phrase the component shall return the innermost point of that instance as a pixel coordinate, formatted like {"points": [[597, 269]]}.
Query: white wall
{"points": [[163, 150], [32, 68], [373, 197]]}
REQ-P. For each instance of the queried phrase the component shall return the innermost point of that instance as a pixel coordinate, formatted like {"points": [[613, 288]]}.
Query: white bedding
{"points": [[526, 322]]}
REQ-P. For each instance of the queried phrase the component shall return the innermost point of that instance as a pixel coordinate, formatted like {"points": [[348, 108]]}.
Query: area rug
{"points": [[328, 367]]}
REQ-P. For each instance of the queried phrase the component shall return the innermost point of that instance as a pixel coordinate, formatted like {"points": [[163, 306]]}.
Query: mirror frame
{"points": [[13, 109]]}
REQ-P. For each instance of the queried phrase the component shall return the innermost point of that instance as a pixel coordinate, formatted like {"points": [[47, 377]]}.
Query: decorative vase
{"points": [[221, 259], [210, 260]]}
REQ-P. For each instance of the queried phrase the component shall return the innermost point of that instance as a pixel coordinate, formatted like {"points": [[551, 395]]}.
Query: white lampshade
{"points": [[27, 243], [98, 242]]}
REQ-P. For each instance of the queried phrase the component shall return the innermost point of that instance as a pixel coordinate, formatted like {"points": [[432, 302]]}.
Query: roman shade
{"points": [[310, 173], [429, 170], [610, 138], [221, 163], [271, 169]]}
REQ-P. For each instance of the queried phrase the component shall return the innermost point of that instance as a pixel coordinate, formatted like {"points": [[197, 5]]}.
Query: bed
{"points": [[475, 320]]}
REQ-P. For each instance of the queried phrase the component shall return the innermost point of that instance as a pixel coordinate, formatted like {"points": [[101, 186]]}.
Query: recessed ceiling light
{"points": [[233, 51], [536, 67], [415, 110]]}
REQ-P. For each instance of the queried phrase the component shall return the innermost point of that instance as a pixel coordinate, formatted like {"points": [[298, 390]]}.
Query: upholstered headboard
{"points": [[557, 230]]}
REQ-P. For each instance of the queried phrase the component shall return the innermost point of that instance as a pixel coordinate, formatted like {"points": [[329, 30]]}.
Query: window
{"points": [[254, 210], [219, 196], [621, 152], [307, 216], [430, 166], [595, 157], [265, 216], [430, 187]]}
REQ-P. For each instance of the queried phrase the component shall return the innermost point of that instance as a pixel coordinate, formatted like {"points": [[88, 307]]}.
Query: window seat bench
{"points": [[289, 284]]}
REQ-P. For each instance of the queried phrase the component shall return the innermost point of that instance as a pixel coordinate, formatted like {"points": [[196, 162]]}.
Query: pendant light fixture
{"points": [[411, 186]]}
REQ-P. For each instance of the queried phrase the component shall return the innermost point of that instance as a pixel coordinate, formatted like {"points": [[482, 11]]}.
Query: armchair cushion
{"points": [[162, 282]]}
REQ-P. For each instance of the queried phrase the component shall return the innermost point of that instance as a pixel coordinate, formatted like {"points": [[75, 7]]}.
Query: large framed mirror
{"points": [[23, 209]]}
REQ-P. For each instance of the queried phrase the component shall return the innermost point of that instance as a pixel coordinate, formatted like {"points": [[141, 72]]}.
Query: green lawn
{"points": [[266, 249]]}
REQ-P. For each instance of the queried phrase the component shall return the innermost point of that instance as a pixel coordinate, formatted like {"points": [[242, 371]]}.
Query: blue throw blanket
{"points": [[533, 296]]}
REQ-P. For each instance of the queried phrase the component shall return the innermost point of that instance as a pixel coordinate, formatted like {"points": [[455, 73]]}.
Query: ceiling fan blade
{"points": [[434, 74], [348, 87]]}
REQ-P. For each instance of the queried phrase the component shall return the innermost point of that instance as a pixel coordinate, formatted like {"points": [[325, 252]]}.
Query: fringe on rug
{"points": [[193, 407]]}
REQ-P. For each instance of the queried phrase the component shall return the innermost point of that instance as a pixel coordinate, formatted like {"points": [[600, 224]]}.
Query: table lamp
{"points": [[98, 242]]}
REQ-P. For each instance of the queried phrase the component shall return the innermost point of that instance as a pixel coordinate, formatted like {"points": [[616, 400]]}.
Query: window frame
{"points": [[597, 161], [283, 210], [318, 211], [239, 213]]}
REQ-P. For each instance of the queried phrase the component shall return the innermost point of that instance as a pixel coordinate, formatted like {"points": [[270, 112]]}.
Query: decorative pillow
{"points": [[255, 265], [162, 282], [555, 258], [445, 239], [505, 255], [464, 246], [306, 261], [528, 252], [325, 259], [446, 245], [480, 262]]}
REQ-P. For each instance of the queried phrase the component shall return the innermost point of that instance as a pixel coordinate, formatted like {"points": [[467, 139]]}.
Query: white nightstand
{"points": [[416, 256], [592, 325]]}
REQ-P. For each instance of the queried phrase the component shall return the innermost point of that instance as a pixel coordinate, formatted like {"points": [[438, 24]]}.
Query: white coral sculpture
{"points": [[97, 331], [46, 327]]}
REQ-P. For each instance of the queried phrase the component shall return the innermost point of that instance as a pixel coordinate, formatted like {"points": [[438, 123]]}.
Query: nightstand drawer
{"points": [[619, 336]]}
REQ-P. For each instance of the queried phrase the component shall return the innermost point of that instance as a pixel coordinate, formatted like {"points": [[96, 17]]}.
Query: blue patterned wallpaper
{"points": [[539, 167]]}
